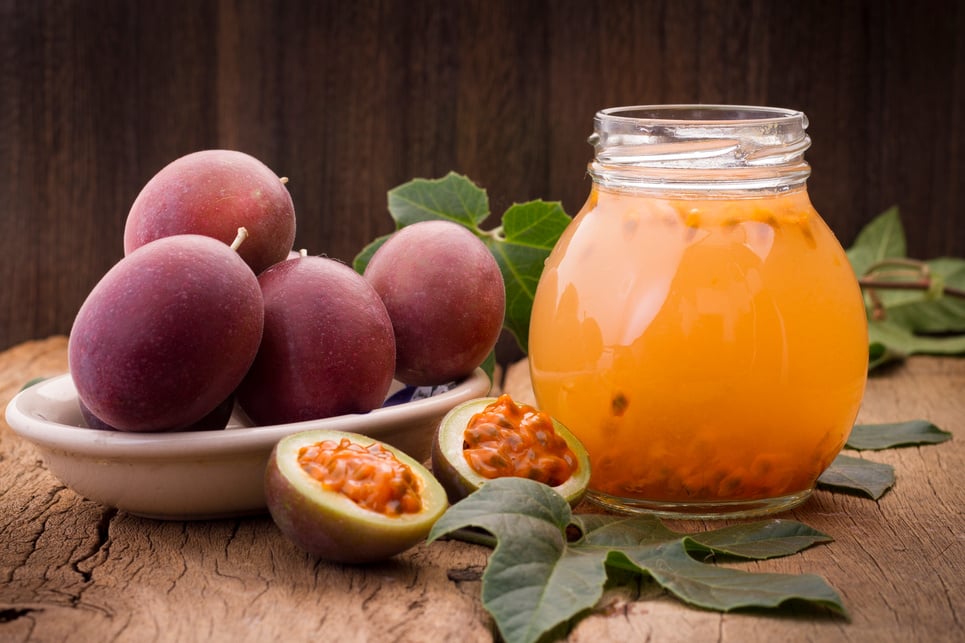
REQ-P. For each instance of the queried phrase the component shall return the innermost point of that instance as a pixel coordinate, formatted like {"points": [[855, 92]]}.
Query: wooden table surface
{"points": [[73, 570]]}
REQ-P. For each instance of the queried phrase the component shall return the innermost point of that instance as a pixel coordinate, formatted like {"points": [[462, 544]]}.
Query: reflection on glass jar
{"points": [[698, 326]]}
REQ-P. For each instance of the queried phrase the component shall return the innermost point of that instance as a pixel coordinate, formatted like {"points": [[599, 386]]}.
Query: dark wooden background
{"points": [[351, 98]]}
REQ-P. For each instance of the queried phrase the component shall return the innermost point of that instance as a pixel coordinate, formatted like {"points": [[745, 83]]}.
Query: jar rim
{"points": [[698, 113], [700, 147]]}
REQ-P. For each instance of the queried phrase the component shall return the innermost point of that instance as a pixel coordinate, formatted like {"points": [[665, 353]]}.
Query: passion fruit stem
{"points": [[240, 239]]}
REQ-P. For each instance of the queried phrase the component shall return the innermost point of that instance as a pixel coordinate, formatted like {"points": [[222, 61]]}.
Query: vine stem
{"points": [[881, 276], [872, 283]]}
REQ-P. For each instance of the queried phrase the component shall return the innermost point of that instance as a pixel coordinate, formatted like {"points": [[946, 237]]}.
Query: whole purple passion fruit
{"points": [[166, 335], [215, 192], [327, 349], [445, 296]]}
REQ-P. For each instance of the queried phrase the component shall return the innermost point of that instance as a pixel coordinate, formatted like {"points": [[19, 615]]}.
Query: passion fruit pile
{"points": [[211, 306], [349, 498]]}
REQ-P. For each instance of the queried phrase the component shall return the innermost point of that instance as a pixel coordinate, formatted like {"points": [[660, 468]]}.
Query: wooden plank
{"points": [[351, 99], [71, 570]]}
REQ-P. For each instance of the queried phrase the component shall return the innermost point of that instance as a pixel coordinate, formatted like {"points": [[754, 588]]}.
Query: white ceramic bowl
{"points": [[198, 474]]}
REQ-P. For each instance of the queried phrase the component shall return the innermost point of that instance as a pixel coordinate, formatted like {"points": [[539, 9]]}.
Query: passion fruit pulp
{"points": [[348, 498], [459, 478]]}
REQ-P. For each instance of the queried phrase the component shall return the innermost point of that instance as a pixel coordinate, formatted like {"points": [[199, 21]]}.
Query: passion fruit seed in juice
{"points": [[725, 359], [489, 438], [509, 439], [349, 498]]}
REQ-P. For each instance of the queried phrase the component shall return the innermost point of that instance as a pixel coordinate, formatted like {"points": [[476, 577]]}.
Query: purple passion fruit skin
{"points": [[213, 193], [459, 479], [445, 295], [330, 525], [216, 420], [166, 335], [328, 347]]}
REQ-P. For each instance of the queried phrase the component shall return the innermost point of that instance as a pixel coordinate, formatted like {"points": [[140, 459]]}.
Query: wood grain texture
{"points": [[349, 99], [72, 570]]}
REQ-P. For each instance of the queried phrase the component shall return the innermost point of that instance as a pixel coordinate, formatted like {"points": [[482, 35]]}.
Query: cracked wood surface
{"points": [[72, 570]]}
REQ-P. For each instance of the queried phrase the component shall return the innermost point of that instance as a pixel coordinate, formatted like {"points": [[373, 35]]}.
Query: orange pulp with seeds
{"points": [[372, 476], [704, 350], [509, 439]]}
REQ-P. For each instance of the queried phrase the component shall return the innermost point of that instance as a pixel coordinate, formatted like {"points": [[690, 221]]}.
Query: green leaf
{"points": [[725, 589], [872, 437], [929, 311], [880, 354], [453, 198], [537, 579], [889, 340], [362, 258], [489, 365], [882, 238], [32, 382], [533, 581], [759, 540], [756, 540], [905, 322], [529, 232], [621, 532], [848, 473]]}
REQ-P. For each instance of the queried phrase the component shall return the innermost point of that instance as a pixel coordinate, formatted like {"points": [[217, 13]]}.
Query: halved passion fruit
{"points": [[350, 498], [492, 437]]}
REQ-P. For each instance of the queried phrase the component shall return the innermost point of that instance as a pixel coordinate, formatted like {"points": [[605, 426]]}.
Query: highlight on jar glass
{"points": [[698, 326]]}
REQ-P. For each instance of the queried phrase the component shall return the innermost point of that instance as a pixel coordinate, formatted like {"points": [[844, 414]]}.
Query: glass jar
{"points": [[697, 325]]}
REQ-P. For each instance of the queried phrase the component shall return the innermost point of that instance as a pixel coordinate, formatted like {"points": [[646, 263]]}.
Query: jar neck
{"points": [[700, 148]]}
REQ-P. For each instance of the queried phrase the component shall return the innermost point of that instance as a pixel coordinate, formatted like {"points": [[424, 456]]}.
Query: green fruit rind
{"points": [[459, 479], [330, 525]]}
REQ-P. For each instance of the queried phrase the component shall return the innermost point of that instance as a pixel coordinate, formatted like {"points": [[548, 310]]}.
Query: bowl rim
{"points": [[24, 415]]}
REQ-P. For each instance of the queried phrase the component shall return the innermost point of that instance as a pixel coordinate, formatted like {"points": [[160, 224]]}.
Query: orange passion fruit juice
{"points": [[710, 352]]}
